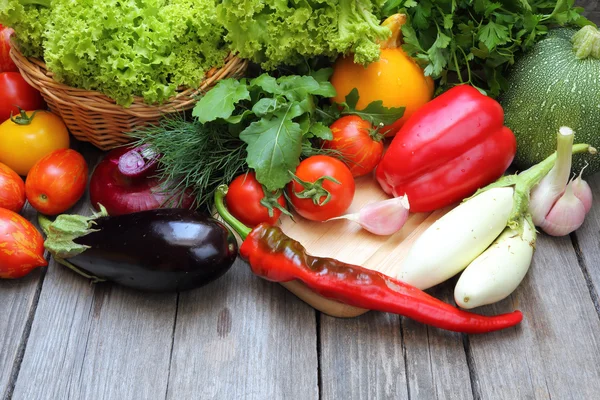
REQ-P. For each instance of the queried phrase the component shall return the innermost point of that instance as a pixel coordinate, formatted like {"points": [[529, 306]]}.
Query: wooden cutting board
{"points": [[348, 242]]}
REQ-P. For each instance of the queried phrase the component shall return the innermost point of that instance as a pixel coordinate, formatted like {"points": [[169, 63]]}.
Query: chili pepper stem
{"points": [[232, 221]]}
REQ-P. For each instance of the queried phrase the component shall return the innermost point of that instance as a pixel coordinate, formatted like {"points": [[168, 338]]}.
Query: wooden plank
{"points": [[587, 244], [554, 352], [243, 337], [91, 342], [380, 356], [592, 9], [362, 358], [18, 300], [436, 361]]}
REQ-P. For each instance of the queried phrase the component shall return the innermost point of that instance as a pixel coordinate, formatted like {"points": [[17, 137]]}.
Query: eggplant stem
{"points": [[93, 278]]}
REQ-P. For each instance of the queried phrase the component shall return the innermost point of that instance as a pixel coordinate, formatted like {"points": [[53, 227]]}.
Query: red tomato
{"points": [[21, 246], [57, 181], [244, 201], [317, 207], [14, 91], [12, 189], [6, 63], [353, 137]]}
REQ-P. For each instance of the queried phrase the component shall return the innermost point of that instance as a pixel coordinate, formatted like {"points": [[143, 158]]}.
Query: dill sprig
{"points": [[196, 156]]}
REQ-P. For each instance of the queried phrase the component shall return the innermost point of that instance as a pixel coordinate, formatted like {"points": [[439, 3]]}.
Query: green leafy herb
{"points": [[275, 116], [196, 156], [474, 41], [375, 112], [278, 117]]}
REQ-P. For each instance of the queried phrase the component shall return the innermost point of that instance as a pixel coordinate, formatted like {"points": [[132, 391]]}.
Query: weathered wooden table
{"points": [[244, 338]]}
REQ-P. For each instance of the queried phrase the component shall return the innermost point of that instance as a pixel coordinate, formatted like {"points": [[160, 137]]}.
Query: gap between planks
{"points": [[24, 339], [586, 273], [172, 346]]}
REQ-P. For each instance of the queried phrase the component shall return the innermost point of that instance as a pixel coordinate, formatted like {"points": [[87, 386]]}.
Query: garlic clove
{"points": [[566, 216], [383, 217], [582, 191]]}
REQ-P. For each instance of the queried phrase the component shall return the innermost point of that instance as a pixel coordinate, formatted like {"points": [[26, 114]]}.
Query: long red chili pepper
{"points": [[276, 257]]}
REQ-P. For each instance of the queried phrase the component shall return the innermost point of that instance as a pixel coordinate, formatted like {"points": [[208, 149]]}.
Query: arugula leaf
{"points": [[320, 131], [274, 148], [375, 112], [297, 88], [322, 76], [267, 105], [267, 83], [220, 101]]}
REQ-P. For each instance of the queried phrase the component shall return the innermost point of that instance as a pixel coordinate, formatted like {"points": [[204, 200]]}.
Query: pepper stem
{"points": [[586, 43], [394, 23], [232, 221]]}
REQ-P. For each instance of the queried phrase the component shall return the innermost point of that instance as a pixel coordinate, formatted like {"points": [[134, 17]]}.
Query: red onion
{"points": [[123, 183]]}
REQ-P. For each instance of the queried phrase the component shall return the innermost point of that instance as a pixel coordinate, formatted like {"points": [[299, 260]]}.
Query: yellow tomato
{"points": [[23, 143], [395, 79]]}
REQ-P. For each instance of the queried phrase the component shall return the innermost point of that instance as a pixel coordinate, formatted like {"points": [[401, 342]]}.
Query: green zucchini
{"points": [[557, 83]]}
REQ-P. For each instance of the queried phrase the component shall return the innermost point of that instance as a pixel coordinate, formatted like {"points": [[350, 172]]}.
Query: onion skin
{"points": [[123, 195]]}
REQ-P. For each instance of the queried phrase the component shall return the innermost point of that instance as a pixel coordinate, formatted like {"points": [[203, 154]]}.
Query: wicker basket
{"points": [[95, 118]]}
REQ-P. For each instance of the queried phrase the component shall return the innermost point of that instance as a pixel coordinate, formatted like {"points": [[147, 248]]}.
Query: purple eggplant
{"points": [[162, 250]]}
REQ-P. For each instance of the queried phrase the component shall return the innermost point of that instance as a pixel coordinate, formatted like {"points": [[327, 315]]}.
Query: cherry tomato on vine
{"points": [[32, 137], [22, 247], [12, 189], [57, 181], [246, 200], [357, 141], [314, 192], [14, 91]]}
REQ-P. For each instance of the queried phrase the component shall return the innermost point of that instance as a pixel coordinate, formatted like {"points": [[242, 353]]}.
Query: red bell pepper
{"points": [[452, 146]]}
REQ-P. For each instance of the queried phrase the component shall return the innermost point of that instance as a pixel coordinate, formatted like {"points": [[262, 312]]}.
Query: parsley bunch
{"points": [[474, 41]]}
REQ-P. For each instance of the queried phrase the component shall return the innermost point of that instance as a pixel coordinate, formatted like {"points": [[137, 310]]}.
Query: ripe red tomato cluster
{"points": [[53, 185]]}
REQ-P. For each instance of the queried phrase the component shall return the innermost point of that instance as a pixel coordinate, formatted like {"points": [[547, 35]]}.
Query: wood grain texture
{"points": [[96, 342], [242, 337], [587, 239], [436, 361], [554, 352], [362, 358], [592, 9], [18, 299]]}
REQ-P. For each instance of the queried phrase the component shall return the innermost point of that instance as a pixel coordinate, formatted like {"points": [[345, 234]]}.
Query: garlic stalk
{"points": [[546, 193], [383, 217]]}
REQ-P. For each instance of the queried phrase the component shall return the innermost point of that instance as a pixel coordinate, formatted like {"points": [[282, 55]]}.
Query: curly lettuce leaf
{"points": [[274, 33], [29, 23], [127, 48]]}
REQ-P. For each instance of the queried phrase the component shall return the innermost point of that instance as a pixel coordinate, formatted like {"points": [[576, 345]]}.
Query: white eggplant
{"points": [[456, 239], [497, 272]]}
